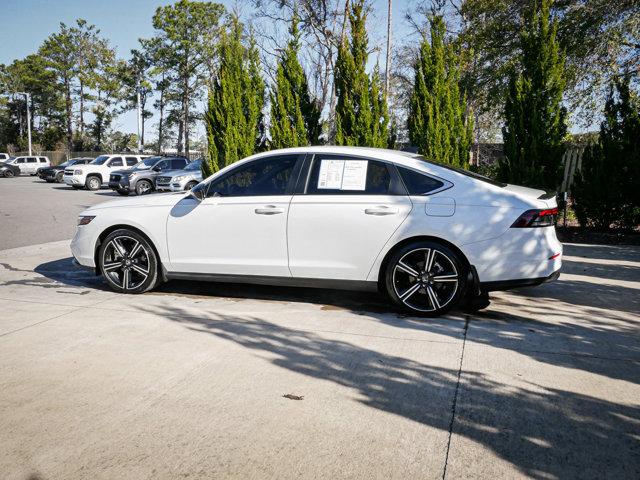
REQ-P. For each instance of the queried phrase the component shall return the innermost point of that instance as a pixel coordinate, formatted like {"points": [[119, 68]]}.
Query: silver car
{"points": [[180, 180]]}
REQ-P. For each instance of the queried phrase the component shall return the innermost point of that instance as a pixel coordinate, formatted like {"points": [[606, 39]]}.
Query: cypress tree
{"points": [[361, 110], [295, 117], [235, 102], [535, 125], [439, 122], [605, 190]]}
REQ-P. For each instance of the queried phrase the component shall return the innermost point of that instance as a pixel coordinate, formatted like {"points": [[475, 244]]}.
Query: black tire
{"points": [[60, 177], [143, 187], [8, 173], [77, 187], [48, 180], [421, 290], [124, 193], [190, 185], [128, 262], [93, 182]]}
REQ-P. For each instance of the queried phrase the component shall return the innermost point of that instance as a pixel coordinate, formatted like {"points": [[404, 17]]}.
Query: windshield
{"points": [[146, 164], [194, 165], [65, 164], [101, 160], [462, 171]]}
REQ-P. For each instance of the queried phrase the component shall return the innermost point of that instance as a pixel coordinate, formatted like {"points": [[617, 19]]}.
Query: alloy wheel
{"points": [[143, 187], [425, 279], [125, 261]]}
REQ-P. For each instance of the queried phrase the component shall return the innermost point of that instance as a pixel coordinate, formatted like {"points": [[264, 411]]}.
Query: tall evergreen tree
{"points": [[235, 103], [605, 191], [439, 122], [535, 125], [361, 119], [295, 117]]}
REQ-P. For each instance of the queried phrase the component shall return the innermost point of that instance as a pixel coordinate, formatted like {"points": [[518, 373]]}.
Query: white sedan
{"points": [[428, 235]]}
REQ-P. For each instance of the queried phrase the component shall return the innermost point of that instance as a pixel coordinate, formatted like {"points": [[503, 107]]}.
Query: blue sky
{"points": [[26, 23]]}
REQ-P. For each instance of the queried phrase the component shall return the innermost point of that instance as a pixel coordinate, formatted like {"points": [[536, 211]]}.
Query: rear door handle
{"points": [[269, 210], [381, 210]]}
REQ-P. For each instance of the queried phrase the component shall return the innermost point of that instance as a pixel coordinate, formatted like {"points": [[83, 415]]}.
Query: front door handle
{"points": [[381, 210], [269, 210]]}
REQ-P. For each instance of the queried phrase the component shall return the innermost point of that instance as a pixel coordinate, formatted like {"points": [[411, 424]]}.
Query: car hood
{"points": [[120, 172], [156, 200]]}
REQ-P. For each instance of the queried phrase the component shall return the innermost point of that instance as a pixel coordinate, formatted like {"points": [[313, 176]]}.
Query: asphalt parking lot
{"points": [[203, 380]]}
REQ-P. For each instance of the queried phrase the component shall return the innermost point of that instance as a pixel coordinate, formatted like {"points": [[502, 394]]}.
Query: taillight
{"points": [[536, 218]]}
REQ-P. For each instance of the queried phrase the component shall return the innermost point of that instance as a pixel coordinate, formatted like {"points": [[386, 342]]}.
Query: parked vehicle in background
{"points": [[428, 235], [4, 157], [56, 173], [141, 179], [29, 165], [8, 170], [96, 173], [180, 180]]}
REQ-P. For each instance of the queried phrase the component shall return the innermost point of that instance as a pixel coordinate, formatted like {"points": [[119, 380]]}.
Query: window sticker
{"points": [[343, 174]]}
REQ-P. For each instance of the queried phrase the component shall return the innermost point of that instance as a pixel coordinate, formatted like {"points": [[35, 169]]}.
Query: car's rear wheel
{"points": [[128, 262], [8, 173], [124, 193], [93, 183], [425, 278], [60, 177], [143, 187]]}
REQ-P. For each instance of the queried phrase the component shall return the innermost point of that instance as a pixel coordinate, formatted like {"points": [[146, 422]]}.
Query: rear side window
{"points": [[418, 183], [178, 163], [336, 175], [116, 162], [43, 160], [31, 160], [131, 161]]}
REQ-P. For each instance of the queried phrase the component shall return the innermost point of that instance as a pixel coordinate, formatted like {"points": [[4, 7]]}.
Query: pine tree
{"points": [[295, 117], [361, 109], [535, 125], [605, 191], [439, 122], [235, 103]]}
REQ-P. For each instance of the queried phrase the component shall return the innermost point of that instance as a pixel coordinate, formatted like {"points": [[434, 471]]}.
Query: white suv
{"points": [[29, 165], [93, 175]]}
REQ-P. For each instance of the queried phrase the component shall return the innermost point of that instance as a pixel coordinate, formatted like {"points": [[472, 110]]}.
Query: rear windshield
{"points": [[462, 171]]}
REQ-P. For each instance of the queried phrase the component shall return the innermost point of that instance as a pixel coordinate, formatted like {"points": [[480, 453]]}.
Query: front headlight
{"points": [[178, 178], [77, 172], [85, 219]]}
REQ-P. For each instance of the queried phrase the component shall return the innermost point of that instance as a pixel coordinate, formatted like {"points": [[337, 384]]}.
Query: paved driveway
{"points": [[191, 381]]}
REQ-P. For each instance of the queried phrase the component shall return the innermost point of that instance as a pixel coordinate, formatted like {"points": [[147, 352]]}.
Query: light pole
{"points": [[27, 97], [140, 145]]}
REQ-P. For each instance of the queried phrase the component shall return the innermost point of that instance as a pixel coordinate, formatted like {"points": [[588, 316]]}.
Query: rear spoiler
{"points": [[547, 195]]}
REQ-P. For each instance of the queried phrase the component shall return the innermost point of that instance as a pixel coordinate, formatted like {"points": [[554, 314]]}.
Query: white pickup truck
{"points": [[93, 175]]}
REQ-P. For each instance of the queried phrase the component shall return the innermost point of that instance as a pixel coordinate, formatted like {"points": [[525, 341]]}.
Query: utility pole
{"points": [[27, 97], [140, 145], [388, 62]]}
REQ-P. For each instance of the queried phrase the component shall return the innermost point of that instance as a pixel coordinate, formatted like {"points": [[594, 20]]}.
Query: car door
{"points": [[240, 227], [32, 165], [348, 210]]}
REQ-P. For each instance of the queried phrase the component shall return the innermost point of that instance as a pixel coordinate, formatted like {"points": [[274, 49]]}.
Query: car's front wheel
{"points": [[8, 173], [143, 187], [60, 177], [93, 183], [425, 278], [128, 262]]}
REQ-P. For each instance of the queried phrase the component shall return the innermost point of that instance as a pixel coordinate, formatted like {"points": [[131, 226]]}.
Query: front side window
{"points": [[418, 183], [178, 163], [116, 162], [339, 175], [20, 160], [268, 176]]}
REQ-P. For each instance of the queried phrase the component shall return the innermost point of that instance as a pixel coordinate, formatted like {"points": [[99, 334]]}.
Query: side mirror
{"points": [[157, 168], [198, 193]]}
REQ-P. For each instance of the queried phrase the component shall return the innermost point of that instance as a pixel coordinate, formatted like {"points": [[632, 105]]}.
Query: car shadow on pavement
{"points": [[544, 432]]}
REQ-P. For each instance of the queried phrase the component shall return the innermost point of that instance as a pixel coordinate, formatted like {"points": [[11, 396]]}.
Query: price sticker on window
{"points": [[343, 175]]}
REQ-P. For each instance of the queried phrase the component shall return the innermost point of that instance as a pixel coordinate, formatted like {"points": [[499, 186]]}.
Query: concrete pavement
{"points": [[189, 381]]}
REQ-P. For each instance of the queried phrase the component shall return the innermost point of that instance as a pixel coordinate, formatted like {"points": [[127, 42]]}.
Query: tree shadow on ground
{"points": [[545, 433]]}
